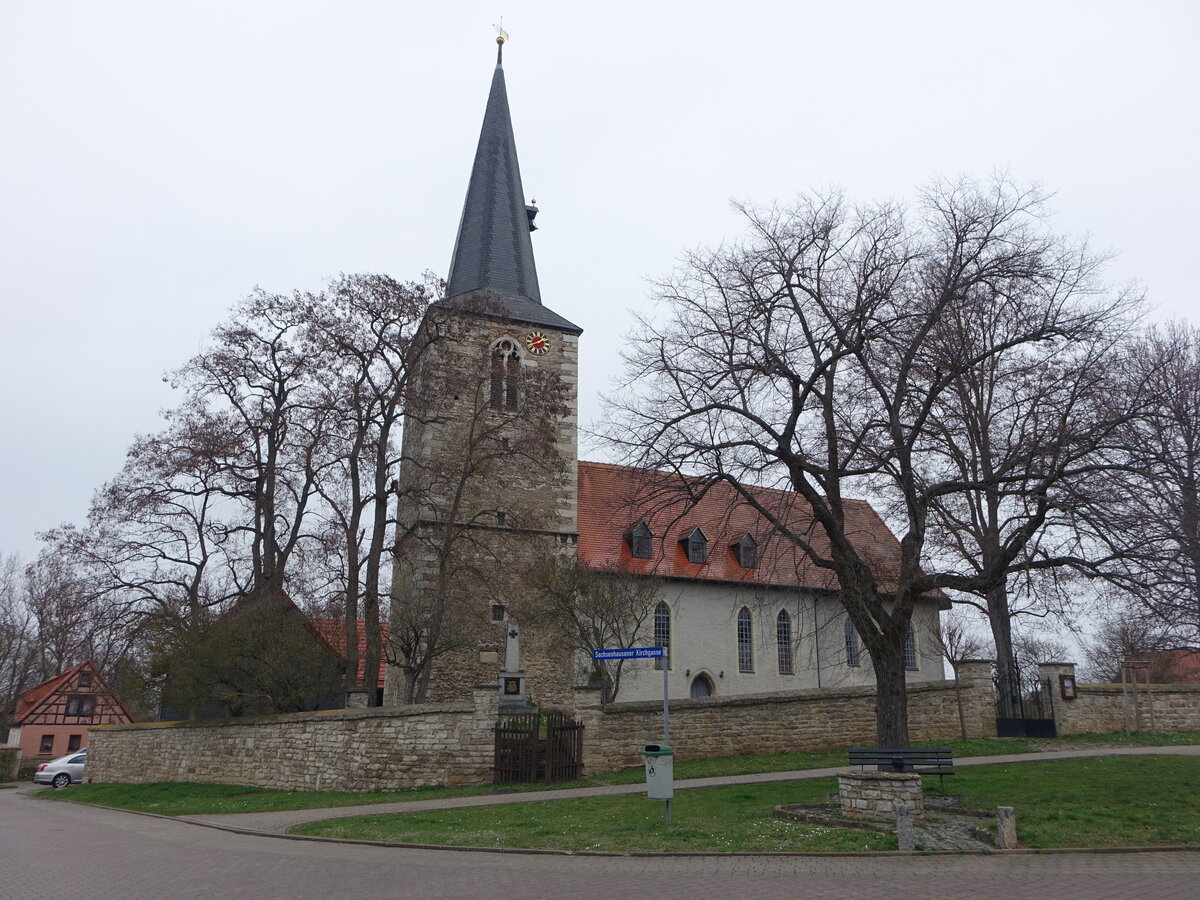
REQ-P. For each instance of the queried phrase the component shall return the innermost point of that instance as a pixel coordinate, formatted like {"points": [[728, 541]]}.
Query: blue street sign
{"points": [[630, 653]]}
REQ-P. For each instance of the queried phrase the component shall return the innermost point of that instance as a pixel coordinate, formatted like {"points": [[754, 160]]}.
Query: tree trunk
{"points": [[891, 695], [1008, 683]]}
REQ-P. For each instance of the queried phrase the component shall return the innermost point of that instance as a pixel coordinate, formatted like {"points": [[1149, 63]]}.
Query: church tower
{"points": [[488, 477]]}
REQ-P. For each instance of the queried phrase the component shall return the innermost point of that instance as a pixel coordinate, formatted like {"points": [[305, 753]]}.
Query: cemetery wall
{"points": [[393, 748]]}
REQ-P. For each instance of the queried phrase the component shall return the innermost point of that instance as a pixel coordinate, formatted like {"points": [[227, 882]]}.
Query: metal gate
{"points": [[1024, 707], [538, 746]]}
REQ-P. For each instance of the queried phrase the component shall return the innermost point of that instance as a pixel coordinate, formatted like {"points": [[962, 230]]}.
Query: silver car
{"points": [[62, 771]]}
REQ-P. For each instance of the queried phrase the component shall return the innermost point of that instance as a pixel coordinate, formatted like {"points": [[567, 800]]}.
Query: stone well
{"points": [[875, 795]]}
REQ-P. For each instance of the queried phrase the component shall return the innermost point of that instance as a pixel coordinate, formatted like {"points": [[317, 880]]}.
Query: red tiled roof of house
{"points": [[333, 633], [34, 698], [614, 499]]}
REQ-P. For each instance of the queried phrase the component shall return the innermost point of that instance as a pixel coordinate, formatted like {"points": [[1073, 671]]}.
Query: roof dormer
{"points": [[641, 540], [746, 551], [695, 545]]}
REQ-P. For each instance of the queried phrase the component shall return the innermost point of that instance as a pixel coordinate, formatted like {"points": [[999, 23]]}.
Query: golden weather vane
{"points": [[501, 37]]}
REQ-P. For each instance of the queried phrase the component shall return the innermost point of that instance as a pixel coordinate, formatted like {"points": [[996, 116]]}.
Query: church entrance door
{"points": [[702, 686]]}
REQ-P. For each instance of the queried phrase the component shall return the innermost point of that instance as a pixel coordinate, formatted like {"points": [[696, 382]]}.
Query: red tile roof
{"points": [[34, 698], [333, 633], [613, 499]]}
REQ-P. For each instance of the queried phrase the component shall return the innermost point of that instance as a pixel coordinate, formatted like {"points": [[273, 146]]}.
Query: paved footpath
{"points": [[280, 822]]}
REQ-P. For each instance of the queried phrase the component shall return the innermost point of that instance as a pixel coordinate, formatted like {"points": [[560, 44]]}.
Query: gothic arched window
{"points": [[662, 632], [910, 649], [506, 376], [745, 641], [852, 656], [783, 636]]}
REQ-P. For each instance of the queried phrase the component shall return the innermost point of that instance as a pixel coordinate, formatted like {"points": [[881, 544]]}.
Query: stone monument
{"points": [[513, 699]]}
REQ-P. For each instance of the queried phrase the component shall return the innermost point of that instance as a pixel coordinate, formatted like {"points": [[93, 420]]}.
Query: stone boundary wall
{"points": [[1104, 708], [758, 724], [345, 750]]}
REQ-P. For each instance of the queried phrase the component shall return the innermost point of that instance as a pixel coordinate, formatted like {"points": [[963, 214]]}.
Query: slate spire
{"points": [[493, 254]]}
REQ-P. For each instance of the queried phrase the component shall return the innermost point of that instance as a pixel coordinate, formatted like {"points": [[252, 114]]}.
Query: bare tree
{"points": [[814, 356], [155, 543], [1147, 527], [367, 326], [589, 610], [254, 391], [1019, 436], [1032, 647], [958, 638], [959, 641], [19, 658], [1127, 631]]}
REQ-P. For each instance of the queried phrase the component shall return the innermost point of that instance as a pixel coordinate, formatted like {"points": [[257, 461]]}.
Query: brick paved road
{"points": [[56, 850]]}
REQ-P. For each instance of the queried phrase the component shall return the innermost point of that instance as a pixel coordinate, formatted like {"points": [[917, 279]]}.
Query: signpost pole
{"points": [[650, 653], [666, 722], [666, 709]]}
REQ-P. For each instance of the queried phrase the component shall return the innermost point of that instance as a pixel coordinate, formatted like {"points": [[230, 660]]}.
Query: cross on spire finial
{"points": [[501, 37]]}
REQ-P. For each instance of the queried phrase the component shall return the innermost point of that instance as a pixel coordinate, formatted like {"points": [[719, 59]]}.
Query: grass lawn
{"points": [[181, 799], [1114, 801], [714, 820], [1104, 802]]}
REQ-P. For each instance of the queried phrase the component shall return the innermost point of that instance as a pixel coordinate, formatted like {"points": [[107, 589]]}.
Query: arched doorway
{"points": [[702, 686]]}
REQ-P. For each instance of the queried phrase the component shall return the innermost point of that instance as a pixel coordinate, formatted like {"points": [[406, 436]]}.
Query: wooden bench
{"points": [[924, 762]]}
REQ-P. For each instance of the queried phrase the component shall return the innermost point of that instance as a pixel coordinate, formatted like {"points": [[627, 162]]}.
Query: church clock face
{"points": [[537, 343]]}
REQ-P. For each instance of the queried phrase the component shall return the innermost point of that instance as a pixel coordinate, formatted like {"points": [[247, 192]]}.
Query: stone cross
{"points": [[512, 648]]}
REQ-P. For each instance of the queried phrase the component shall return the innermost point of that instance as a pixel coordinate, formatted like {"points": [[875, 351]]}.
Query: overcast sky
{"points": [[161, 159]]}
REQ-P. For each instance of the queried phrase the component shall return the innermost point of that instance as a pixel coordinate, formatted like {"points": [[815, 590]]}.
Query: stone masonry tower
{"points": [[488, 479]]}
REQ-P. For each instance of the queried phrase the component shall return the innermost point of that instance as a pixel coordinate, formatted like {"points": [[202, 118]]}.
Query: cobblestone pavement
{"points": [[53, 850], [944, 831], [280, 822]]}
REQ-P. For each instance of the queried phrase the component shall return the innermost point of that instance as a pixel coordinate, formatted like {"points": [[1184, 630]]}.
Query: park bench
{"points": [[924, 762]]}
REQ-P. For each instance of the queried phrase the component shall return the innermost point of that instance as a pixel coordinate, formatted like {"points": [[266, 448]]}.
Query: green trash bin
{"points": [[660, 772]]}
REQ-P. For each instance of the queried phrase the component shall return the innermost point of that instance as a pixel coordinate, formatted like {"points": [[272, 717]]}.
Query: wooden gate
{"points": [[539, 746]]}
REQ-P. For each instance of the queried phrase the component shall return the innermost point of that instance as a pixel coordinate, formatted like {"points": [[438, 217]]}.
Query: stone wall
{"points": [[1104, 708], [876, 795], [347, 750], [779, 723], [491, 492]]}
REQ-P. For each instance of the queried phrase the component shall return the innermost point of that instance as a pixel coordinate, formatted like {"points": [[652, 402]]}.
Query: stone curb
{"points": [[647, 854]]}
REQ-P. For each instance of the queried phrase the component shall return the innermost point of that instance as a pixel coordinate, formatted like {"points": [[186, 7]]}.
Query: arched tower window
{"points": [[662, 632], [745, 641], [506, 376], [783, 637], [852, 654]]}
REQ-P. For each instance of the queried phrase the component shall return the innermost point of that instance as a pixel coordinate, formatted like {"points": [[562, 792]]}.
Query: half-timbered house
{"points": [[53, 718]]}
